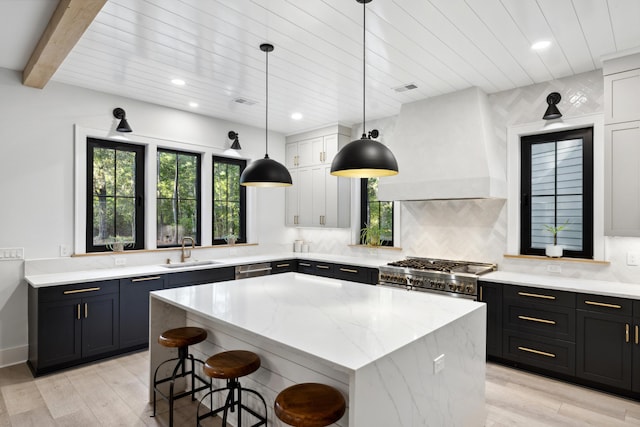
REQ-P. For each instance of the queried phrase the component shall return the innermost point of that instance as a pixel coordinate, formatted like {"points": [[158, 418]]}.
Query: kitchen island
{"points": [[377, 345]]}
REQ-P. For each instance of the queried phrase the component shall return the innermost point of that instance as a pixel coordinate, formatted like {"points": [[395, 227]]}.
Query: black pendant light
{"points": [[364, 158], [266, 172], [552, 111]]}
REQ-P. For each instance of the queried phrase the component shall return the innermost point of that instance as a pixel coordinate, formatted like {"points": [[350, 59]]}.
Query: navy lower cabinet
{"points": [[199, 277], [606, 340], [72, 324], [491, 294], [349, 272], [285, 266], [134, 310]]}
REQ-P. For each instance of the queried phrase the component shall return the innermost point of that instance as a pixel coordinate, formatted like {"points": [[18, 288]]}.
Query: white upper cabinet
{"points": [[622, 146], [317, 198]]}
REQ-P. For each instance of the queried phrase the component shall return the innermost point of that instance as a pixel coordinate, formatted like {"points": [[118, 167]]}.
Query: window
{"points": [[374, 213], [115, 195], [178, 197], [229, 197], [557, 190]]}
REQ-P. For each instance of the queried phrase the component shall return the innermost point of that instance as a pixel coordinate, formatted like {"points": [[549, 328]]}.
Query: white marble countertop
{"points": [[346, 324], [588, 286], [66, 278]]}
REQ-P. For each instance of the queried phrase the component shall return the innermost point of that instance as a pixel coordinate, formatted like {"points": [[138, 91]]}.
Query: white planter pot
{"points": [[554, 251]]}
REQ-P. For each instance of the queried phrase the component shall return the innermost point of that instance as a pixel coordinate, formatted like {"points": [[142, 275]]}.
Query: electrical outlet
{"points": [[120, 261], [438, 364], [633, 258], [553, 268], [65, 250]]}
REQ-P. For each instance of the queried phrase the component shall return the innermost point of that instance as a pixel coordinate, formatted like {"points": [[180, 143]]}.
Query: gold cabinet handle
{"points": [[324, 267], [295, 219], [531, 350], [86, 310], [78, 305], [348, 270], [637, 335], [282, 265], [78, 291], [535, 319], [603, 304], [145, 279], [626, 332], [481, 299], [527, 294], [304, 264]]}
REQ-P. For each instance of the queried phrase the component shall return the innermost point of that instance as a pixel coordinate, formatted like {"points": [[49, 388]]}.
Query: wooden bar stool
{"points": [[310, 405], [229, 366], [180, 338]]}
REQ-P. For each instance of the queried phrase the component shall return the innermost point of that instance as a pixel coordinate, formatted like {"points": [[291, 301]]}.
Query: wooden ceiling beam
{"points": [[69, 21]]}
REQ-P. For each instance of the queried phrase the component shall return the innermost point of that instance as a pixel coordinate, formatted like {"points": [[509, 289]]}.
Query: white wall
{"points": [[37, 180]]}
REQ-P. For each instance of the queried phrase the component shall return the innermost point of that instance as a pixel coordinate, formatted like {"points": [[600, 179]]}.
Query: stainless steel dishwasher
{"points": [[253, 270]]}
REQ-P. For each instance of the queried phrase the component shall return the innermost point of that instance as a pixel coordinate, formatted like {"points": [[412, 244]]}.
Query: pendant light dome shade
{"points": [[364, 158], [266, 172]]}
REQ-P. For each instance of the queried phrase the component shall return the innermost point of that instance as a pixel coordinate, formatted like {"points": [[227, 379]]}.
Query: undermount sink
{"points": [[189, 263]]}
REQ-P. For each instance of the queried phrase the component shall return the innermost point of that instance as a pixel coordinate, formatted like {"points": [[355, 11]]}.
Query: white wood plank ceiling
{"points": [[135, 47]]}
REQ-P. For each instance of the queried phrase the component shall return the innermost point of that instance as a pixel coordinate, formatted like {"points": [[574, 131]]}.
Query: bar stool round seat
{"points": [[310, 405], [180, 338], [229, 366]]}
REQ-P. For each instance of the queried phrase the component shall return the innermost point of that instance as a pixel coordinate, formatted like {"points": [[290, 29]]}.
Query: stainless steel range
{"points": [[456, 278]]}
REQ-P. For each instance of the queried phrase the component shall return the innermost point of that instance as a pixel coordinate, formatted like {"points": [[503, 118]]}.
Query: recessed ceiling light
{"points": [[193, 104], [542, 44], [178, 82], [296, 116]]}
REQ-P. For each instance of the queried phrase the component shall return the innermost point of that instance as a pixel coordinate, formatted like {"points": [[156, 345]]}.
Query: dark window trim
{"points": [[139, 186], [364, 213], [242, 237], [198, 195], [587, 201]]}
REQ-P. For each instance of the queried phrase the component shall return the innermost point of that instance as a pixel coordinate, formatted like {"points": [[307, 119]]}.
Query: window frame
{"points": [[526, 142], [242, 236], [91, 144], [198, 236], [364, 213]]}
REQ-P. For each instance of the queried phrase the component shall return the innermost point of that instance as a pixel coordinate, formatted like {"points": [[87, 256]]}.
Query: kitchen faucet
{"points": [[183, 256]]}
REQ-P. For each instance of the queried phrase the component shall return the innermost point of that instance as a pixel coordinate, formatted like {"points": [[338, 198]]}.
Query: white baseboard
{"points": [[13, 356]]}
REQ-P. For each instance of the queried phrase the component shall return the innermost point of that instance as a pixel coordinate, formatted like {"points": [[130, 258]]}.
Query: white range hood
{"points": [[446, 149]]}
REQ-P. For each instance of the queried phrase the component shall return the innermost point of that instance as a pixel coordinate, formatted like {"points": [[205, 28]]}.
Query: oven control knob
{"points": [[470, 289]]}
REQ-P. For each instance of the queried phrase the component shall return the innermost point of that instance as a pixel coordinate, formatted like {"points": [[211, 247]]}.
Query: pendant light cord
{"points": [[364, 64], [266, 115]]}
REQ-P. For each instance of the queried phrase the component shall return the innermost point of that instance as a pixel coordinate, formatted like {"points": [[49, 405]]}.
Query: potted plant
{"points": [[370, 236], [555, 250], [118, 244], [230, 238]]}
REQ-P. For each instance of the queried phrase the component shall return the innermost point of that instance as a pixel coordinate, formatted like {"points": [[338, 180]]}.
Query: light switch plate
{"points": [[633, 258], [11, 254]]}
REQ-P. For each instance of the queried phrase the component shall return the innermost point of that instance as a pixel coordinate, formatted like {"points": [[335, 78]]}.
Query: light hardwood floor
{"points": [[114, 393]]}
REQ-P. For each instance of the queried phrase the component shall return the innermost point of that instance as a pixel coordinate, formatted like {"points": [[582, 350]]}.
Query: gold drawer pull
{"points": [[304, 264], [541, 353], [78, 311], [636, 334], [626, 332], [535, 319], [481, 299], [282, 265], [527, 294], [324, 267], [603, 304], [145, 279], [79, 291], [348, 270]]}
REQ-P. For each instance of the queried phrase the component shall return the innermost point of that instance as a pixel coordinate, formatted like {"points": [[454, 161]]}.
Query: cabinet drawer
{"points": [[541, 319], [199, 277], [540, 352], [284, 266], [55, 293], [324, 269], [540, 296], [604, 304], [352, 273]]}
